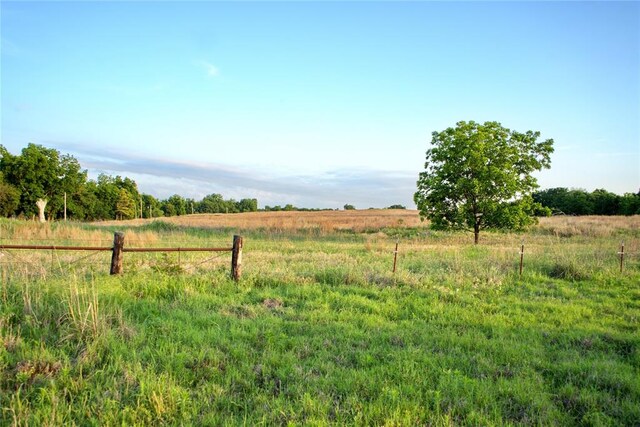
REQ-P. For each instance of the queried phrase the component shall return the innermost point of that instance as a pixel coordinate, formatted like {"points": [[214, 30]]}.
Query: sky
{"points": [[317, 104]]}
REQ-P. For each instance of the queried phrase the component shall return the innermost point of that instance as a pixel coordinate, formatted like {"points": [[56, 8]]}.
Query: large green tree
{"points": [[43, 173], [478, 176]]}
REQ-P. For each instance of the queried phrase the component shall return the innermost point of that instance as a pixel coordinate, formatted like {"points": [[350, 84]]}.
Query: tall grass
{"points": [[320, 331]]}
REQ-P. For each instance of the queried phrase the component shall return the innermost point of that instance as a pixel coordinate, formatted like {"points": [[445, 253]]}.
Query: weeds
{"points": [[167, 265], [567, 270]]}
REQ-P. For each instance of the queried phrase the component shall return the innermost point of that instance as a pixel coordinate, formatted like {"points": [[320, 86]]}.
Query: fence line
{"points": [[57, 248], [622, 255], [177, 249], [118, 250]]}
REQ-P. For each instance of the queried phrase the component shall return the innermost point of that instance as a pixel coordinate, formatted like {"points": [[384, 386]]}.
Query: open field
{"points": [[374, 220], [319, 330], [324, 221]]}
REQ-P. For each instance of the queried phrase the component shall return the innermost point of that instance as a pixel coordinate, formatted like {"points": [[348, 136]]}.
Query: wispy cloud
{"points": [[163, 177], [211, 70]]}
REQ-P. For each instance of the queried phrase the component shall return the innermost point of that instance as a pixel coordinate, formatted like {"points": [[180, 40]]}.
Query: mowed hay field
{"points": [[319, 330], [323, 221]]}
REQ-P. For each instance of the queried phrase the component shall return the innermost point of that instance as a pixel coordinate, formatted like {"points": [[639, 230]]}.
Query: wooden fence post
{"points": [[116, 257], [395, 257], [521, 257], [621, 253], [236, 258]]}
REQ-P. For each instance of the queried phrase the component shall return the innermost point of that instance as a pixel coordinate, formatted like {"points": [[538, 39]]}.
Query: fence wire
{"points": [[55, 262], [345, 259]]}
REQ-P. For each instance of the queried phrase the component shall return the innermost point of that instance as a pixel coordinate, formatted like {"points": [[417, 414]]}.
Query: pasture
{"points": [[319, 330]]}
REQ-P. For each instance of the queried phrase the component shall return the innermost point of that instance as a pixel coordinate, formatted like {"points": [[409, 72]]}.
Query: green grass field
{"points": [[319, 331]]}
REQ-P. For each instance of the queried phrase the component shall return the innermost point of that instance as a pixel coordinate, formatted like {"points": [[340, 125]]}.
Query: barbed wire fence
{"points": [[345, 259], [42, 259]]}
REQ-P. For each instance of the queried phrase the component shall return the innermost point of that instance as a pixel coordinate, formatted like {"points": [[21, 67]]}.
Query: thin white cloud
{"points": [[212, 70], [333, 188]]}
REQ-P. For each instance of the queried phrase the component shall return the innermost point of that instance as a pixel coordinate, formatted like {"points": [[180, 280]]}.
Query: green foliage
{"points": [[579, 202], [289, 207], [567, 270], [212, 203], [247, 205], [349, 207], [125, 206], [160, 227], [397, 207], [215, 203], [43, 173], [167, 265], [9, 198], [630, 204], [175, 205], [150, 206], [479, 176]]}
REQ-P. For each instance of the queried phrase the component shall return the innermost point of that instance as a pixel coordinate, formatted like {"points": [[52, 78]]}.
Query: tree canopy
{"points": [[44, 173], [9, 197], [478, 176], [579, 202]]}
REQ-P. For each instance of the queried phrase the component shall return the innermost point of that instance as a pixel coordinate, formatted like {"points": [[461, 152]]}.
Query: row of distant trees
{"points": [[290, 207], [580, 202], [44, 173]]}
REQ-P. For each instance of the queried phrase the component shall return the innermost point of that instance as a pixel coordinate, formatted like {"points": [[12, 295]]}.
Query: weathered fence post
{"points": [[521, 257], [236, 258], [621, 253], [116, 257], [395, 257]]}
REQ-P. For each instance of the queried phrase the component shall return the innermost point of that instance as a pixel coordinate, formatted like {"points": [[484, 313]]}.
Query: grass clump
{"points": [[568, 270]]}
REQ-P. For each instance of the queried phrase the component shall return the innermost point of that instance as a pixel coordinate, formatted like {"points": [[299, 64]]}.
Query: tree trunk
{"points": [[41, 204], [476, 233]]}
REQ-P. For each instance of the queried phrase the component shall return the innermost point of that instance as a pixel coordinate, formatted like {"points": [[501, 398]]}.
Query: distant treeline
{"points": [[44, 173], [579, 202], [289, 207]]}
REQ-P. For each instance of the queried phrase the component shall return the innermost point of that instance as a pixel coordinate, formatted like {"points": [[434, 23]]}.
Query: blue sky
{"points": [[318, 104]]}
